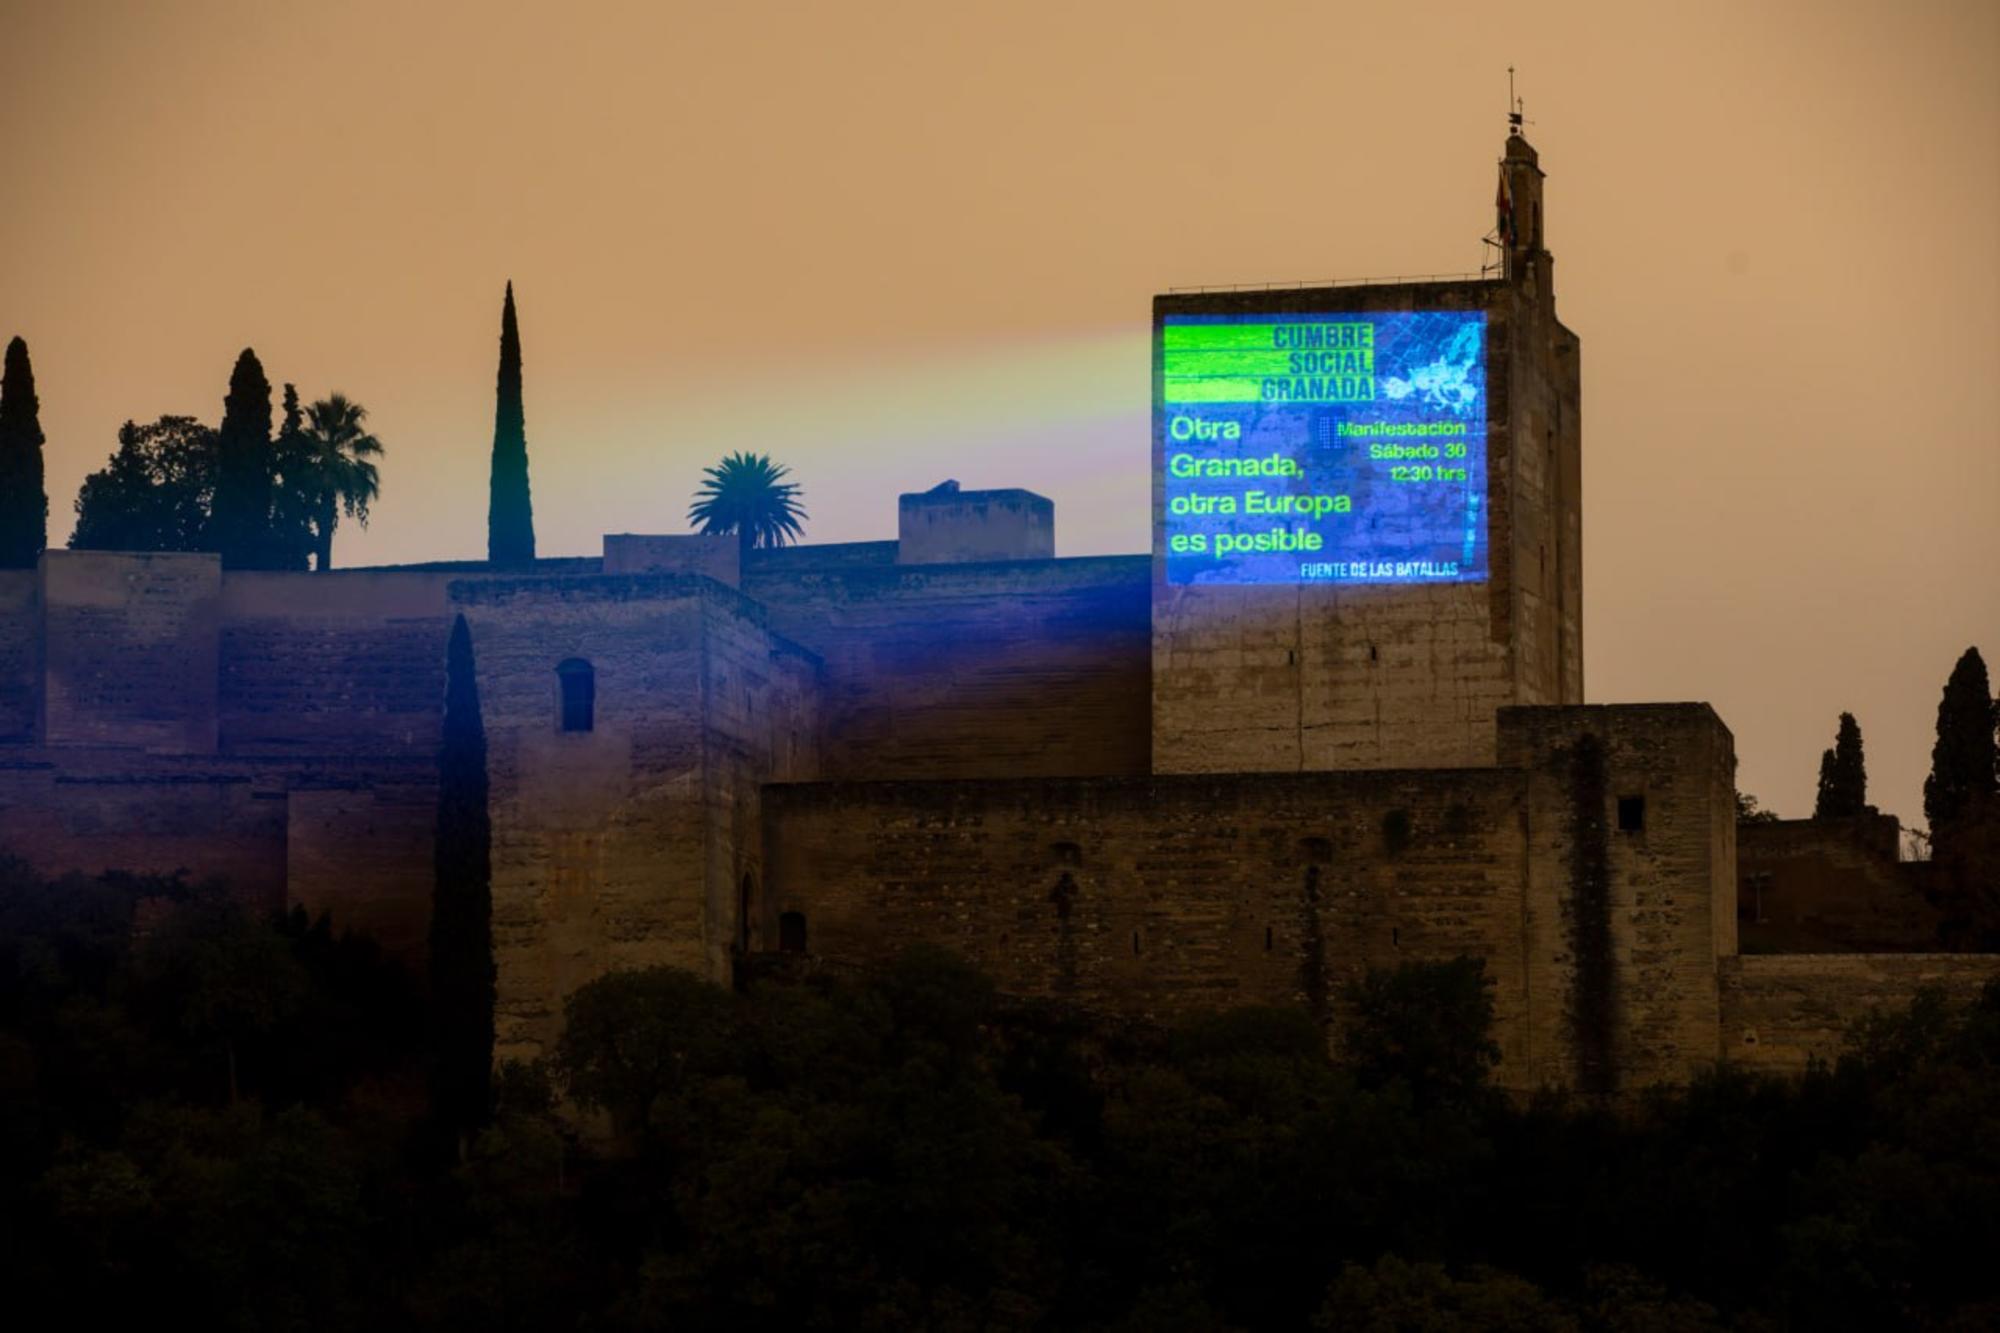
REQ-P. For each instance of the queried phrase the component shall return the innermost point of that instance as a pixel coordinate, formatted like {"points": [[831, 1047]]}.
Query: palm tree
{"points": [[746, 494], [333, 471]]}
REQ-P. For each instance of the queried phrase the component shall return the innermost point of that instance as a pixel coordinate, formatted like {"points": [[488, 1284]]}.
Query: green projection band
{"points": [[1323, 448], [1250, 363]]}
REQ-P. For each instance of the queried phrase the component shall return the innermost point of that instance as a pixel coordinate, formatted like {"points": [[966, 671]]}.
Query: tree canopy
{"points": [[240, 517], [747, 494], [154, 494], [1843, 777], [1965, 761], [160, 491], [24, 497], [908, 1148], [329, 463]]}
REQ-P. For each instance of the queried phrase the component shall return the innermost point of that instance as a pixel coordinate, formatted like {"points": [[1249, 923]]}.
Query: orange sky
{"points": [[891, 243]]}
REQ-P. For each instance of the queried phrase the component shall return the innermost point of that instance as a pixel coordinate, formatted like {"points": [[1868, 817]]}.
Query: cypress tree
{"points": [[1843, 779], [24, 497], [289, 541], [461, 934], [510, 514], [241, 521], [1963, 762]]}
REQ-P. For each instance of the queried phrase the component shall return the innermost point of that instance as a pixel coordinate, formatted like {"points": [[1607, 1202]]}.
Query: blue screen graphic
{"points": [[1336, 448]]}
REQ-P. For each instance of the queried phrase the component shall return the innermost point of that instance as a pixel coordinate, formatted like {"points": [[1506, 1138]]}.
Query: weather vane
{"points": [[1514, 107]]}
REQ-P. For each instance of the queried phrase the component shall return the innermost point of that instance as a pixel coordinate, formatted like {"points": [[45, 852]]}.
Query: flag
{"points": [[1503, 204]]}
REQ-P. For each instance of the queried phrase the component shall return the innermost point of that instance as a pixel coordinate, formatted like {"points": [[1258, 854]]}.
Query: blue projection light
{"points": [[1336, 448]]}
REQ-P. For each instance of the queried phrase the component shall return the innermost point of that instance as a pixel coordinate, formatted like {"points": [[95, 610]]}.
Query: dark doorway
{"points": [[792, 932]]}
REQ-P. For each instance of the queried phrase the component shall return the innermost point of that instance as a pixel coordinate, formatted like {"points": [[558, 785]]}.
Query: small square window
{"points": [[1631, 814]]}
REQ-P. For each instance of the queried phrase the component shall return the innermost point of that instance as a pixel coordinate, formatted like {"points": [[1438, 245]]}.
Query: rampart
{"points": [[20, 654], [1032, 668], [619, 838], [1150, 897], [345, 663], [1781, 1011], [1831, 886]]}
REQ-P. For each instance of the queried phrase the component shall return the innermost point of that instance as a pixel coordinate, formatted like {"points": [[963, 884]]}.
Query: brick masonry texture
{"points": [[1780, 1011], [1139, 800], [1831, 886], [1017, 669], [1327, 677], [1150, 897], [20, 651]]}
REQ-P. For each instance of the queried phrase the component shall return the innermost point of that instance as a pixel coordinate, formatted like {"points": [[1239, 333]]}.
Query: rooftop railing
{"points": [[1486, 276]]}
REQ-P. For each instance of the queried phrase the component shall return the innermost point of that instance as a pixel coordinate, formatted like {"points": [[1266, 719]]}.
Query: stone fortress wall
{"points": [[1321, 676], [1139, 798], [1151, 897], [896, 752]]}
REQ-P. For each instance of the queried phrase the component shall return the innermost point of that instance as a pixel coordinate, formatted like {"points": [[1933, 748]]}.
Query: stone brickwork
{"points": [[937, 671], [1780, 1011], [1538, 534], [603, 838], [1248, 678], [20, 655], [717, 556], [343, 663], [1143, 800], [945, 525], [760, 723], [109, 810], [1630, 886], [95, 809], [1830, 886], [1155, 897], [129, 650], [361, 855]]}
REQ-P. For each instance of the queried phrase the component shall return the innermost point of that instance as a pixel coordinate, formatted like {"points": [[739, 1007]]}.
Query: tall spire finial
{"points": [[1514, 105]]}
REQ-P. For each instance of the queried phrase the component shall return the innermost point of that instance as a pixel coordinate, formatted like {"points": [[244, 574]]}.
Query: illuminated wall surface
{"points": [[1339, 448]]}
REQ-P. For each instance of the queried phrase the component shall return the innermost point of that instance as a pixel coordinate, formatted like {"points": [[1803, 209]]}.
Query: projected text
{"points": [[1301, 448]]}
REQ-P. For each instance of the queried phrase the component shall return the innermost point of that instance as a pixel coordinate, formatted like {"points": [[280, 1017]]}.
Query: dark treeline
{"points": [[226, 1118], [263, 499]]}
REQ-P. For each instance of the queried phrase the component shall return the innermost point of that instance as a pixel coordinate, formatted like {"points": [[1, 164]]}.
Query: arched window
{"points": [[792, 932], [579, 694]]}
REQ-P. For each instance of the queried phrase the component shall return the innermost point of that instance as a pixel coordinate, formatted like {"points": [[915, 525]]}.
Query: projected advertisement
{"points": [[1339, 448]]}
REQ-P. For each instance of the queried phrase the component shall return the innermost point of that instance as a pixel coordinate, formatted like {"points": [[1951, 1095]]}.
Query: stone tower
{"points": [[1306, 675]]}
